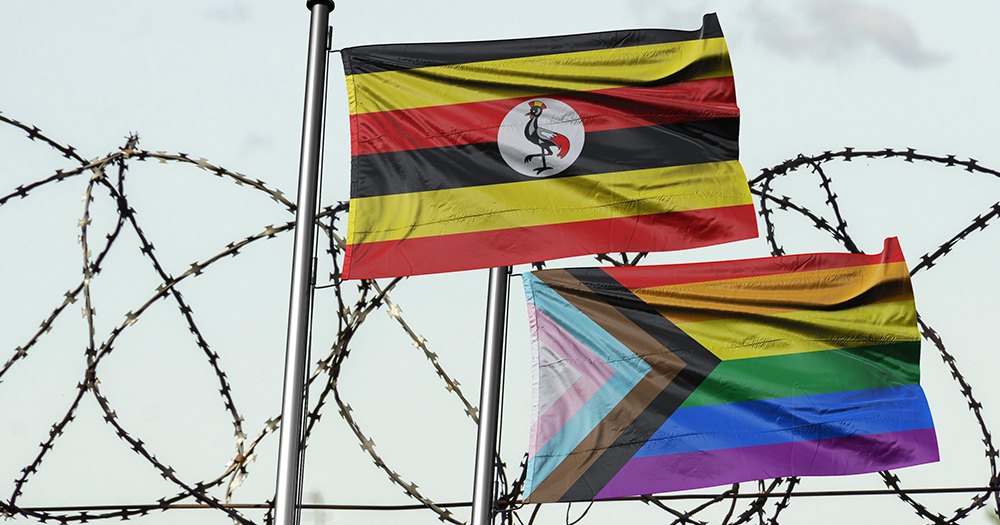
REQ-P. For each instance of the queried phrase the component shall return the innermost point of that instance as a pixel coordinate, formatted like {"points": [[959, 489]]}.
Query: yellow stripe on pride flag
{"points": [[547, 201], [533, 75], [807, 330]]}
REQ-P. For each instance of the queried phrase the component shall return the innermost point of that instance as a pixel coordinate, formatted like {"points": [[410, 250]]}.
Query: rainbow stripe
{"points": [[662, 378], [431, 191]]}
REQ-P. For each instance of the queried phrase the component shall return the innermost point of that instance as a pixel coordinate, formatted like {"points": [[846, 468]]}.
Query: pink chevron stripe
{"points": [[594, 373]]}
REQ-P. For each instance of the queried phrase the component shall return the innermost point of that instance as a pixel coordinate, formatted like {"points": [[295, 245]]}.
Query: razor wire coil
{"points": [[108, 179]]}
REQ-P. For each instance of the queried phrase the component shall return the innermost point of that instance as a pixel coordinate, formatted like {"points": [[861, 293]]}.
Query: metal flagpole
{"points": [[489, 398], [288, 496]]}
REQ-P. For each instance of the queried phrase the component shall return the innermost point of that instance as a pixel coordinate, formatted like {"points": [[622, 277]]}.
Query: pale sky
{"points": [[224, 80]]}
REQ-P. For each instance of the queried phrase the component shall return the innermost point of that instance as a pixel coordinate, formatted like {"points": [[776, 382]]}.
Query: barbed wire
{"points": [[237, 469], [107, 179], [762, 187]]}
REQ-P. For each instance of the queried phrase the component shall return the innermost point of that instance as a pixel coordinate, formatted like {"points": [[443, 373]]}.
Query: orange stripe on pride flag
{"points": [[780, 293], [647, 276], [658, 232]]}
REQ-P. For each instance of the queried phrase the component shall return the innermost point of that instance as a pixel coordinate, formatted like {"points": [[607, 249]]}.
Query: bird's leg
{"points": [[544, 166]]}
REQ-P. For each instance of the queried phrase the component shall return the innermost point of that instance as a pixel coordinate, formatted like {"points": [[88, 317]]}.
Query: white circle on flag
{"points": [[546, 149]]}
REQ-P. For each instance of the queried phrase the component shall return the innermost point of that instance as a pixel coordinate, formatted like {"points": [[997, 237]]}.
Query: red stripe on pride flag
{"points": [[651, 276], [465, 251], [476, 122]]}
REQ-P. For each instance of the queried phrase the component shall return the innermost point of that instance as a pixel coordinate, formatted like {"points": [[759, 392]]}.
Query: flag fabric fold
{"points": [[663, 378], [482, 154]]}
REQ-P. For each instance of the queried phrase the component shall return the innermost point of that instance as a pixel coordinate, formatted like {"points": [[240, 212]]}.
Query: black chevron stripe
{"points": [[699, 364]]}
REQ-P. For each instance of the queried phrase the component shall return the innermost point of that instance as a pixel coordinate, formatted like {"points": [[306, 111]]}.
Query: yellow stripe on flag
{"points": [[532, 76], [547, 201], [807, 331]]}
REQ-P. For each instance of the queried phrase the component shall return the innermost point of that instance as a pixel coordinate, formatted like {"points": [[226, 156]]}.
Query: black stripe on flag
{"points": [[608, 151], [396, 57]]}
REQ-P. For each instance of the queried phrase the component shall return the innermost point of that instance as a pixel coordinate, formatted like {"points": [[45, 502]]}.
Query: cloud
{"points": [[231, 11], [835, 30], [255, 143]]}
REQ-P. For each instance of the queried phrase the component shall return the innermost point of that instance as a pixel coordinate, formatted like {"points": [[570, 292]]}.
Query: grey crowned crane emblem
{"points": [[546, 139]]}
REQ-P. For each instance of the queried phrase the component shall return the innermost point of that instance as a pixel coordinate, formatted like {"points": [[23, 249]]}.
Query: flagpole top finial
{"points": [[311, 3]]}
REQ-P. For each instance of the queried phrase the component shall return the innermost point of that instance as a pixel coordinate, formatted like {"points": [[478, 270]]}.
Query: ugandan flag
{"points": [[664, 378], [484, 154]]}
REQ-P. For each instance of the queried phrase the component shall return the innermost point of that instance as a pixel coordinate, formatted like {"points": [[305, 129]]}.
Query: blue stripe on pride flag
{"points": [[783, 420], [629, 370]]}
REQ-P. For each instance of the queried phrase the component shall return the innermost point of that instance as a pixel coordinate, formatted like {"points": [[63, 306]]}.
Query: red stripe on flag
{"points": [[477, 122], [465, 251], [651, 276]]}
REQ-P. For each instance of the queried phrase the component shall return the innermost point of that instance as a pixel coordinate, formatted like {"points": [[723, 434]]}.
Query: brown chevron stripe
{"points": [[665, 365], [679, 365]]}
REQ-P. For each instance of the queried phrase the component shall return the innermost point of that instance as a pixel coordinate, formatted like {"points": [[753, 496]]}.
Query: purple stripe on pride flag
{"points": [[824, 457], [593, 376]]}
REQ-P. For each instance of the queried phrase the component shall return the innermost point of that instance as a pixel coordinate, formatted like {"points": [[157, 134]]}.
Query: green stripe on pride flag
{"points": [[810, 373]]}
